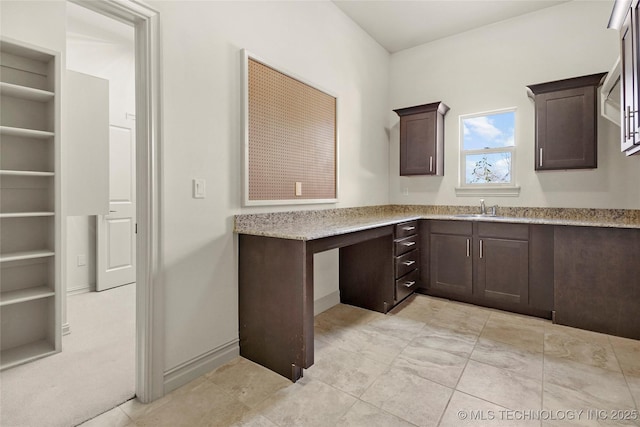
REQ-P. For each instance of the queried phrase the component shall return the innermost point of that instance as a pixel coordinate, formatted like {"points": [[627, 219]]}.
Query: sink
{"points": [[475, 216]]}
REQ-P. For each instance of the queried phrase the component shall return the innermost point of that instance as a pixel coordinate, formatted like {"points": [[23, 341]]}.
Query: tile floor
{"points": [[430, 362]]}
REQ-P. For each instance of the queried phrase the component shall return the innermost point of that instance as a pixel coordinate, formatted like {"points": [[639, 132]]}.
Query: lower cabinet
{"points": [[502, 262], [492, 264], [597, 279], [406, 251], [450, 261]]}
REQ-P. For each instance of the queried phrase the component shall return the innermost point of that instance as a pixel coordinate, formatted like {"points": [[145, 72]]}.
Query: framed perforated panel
{"points": [[290, 131]]}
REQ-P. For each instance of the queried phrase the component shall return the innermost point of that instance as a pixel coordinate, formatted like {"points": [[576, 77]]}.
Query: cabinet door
{"points": [[86, 144], [627, 80], [503, 270], [451, 264], [566, 129], [418, 144]]}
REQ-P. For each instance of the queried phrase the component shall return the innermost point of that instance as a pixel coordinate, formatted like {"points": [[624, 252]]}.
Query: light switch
{"points": [[199, 188], [82, 260], [298, 188]]}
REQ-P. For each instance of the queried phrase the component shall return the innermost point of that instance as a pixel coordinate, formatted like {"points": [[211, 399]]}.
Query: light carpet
{"points": [[94, 372]]}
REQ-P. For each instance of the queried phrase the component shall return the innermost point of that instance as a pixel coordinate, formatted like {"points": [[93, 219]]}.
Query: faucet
{"points": [[483, 209]]}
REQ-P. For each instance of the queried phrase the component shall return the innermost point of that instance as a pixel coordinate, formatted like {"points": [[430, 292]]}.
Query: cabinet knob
{"points": [[408, 263], [409, 284]]}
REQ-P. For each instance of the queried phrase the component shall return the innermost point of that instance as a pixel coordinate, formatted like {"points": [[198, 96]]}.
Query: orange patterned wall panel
{"points": [[292, 137]]}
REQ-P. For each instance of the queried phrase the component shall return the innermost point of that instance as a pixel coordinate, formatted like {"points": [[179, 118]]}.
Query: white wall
{"points": [[104, 48], [201, 125], [201, 44], [489, 68], [41, 23]]}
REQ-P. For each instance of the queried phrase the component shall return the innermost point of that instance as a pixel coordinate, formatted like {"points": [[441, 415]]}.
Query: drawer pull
{"points": [[409, 284], [409, 228], [409, 243], [408, 263], [540, 158]]}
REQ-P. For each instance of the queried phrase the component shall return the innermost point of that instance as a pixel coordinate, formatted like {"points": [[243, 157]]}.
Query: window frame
{"points": [[507, 188]]}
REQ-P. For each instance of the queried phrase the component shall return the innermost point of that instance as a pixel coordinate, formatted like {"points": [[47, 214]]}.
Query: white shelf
{"points": [[25, 92], [25, 353], [16, 256], [31, 317], [26, 133], [23, 295], [25, 214], [25, 173]]}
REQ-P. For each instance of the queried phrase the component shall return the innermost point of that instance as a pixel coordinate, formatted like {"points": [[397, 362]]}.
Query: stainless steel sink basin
{"points": [[475, 216]]}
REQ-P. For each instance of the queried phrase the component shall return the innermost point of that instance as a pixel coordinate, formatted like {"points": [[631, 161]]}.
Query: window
{"points": [[487, 149]]}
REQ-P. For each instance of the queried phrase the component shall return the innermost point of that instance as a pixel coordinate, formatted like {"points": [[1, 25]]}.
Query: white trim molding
{"points": [[326, 302], [488, 191], [198, 366], [149, 297]]}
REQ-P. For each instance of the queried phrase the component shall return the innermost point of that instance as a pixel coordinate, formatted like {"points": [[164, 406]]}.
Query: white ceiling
{"points": [[400, 24]]}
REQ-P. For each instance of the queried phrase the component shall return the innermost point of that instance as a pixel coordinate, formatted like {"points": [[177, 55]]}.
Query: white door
{"points": [[117, 231]]}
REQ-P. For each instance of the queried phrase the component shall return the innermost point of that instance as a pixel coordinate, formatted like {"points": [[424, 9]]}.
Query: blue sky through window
{"points": [[489, 131]]}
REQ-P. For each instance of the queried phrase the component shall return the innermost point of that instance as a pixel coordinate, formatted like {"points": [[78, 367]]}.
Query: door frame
{"points": [[149, 288]]}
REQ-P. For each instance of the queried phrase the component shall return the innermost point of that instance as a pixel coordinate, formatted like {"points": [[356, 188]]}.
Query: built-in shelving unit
{"points": [[30, 219]]}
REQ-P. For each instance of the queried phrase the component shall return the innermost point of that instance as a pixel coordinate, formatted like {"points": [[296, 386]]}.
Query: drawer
{"points": [[407, 244], [504, 231], [407, 262], [407, 284], [406, 229], [451, 227]]}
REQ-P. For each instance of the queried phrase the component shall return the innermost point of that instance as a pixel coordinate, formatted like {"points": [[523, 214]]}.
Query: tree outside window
{"points": [[487, 148]]}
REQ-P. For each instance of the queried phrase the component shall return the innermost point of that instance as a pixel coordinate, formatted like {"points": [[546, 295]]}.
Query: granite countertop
{"points": [[316, 224]]}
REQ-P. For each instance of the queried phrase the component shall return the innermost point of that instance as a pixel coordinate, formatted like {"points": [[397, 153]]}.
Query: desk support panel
{"points": [[276, 304], [275, 281]]}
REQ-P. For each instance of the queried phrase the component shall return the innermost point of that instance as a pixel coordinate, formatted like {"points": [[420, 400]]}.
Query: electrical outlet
{"points": [[298, 188], [405, 191]]}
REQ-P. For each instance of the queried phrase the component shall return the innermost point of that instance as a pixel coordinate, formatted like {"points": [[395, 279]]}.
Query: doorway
{"points": [[100, 63], [149, 295]]}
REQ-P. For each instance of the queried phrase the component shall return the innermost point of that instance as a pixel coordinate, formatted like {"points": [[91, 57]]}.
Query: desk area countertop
{"points": [[317, 224]]}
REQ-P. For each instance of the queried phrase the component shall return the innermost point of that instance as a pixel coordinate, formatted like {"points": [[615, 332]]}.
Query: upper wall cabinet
{"points": [[629, 79], [566, 123], [422, 139]]}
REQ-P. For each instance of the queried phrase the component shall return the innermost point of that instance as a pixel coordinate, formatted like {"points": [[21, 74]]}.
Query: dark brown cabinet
{"points": [[502, 272], [407, 260], [422, 139], [566, 123], [501, 265], [597, 279], [450, 261]]}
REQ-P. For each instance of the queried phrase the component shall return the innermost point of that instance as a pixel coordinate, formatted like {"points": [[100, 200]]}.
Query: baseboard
{"points": [[198, 366], [82, 290], [326, 302]]}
